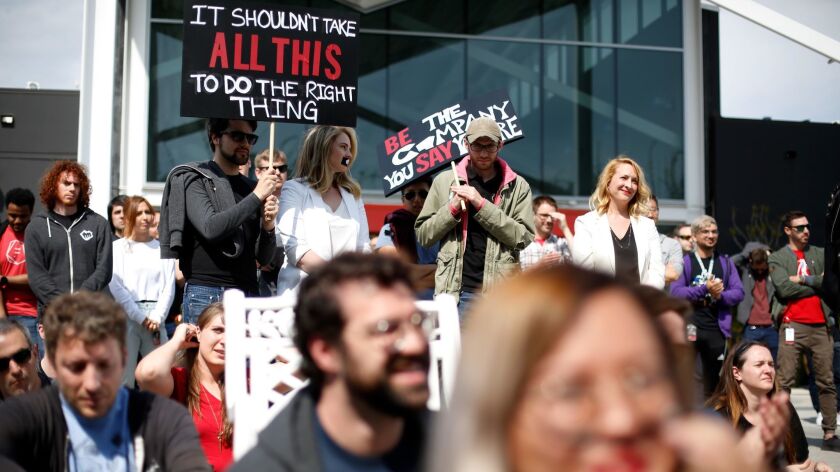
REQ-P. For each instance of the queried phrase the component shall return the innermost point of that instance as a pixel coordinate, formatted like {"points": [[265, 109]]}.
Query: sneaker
{"points": [[818, 419], [831, 444]]}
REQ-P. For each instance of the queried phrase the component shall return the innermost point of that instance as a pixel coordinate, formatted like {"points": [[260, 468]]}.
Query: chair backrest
{"points": [[260, 363], [444, 348]]}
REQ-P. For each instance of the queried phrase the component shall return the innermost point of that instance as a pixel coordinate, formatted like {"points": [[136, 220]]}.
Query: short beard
{"points": [[232, 158], [381, 397]]}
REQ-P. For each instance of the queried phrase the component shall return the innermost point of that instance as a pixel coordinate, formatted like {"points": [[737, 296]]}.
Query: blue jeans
{"points": [[766, 334], [31, 325], [197, 298], [465, 300]]}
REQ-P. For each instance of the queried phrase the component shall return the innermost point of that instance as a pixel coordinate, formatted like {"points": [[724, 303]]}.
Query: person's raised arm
{"points": [[154, 372], [216, 225]]}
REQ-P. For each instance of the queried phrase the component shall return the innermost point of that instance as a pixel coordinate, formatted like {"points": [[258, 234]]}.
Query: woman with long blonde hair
{"points": [[615, 237], [322, 213], [190, 369]]}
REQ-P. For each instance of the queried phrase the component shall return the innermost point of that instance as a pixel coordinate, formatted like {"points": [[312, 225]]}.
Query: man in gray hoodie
{"points": [[68, 247]]}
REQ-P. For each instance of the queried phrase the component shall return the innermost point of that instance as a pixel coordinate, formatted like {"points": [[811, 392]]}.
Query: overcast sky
{"points": [[762, 74]]}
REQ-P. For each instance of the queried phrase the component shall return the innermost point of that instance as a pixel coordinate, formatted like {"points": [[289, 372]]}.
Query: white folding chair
{"points": [[260, 356], [444, 348]]}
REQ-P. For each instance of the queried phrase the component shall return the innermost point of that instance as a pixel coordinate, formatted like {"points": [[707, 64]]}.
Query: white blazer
{"points": [[303, 225], [593, 247]]}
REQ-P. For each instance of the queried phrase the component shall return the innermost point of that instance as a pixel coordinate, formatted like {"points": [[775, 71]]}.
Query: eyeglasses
{"points": [[411, 195], [800, 228], [239, 136], [281, 169], [20, 357], [389, 331], [491, 148], [543, 216], [684, 237]]}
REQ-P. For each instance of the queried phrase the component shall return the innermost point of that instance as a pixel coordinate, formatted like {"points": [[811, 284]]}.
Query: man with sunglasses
{"points": [[397, 237], [217, 222], [18, 361], [482, 217], [682, 233], [366, 353], [797, 272]]}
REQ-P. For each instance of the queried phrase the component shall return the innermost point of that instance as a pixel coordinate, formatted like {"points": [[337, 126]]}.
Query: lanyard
{"points": [[704, 271]]}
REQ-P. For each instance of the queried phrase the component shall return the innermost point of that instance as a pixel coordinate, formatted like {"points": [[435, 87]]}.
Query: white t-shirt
{"points": [[141, 275]]}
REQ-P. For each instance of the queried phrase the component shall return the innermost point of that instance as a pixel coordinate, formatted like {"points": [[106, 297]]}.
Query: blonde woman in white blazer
{"points": [[321, 209], [614, 237]]}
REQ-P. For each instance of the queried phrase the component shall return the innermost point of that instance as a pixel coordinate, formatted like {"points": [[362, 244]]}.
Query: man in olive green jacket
{"points": [[482, 220], [797, 272]]}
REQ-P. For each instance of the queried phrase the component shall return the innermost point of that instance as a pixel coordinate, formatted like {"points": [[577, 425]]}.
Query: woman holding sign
{"points": [[614, 237], [322, 213]]}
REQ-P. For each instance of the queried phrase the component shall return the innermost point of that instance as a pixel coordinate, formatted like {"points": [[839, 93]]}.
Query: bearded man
{"points": [[366, 352]]}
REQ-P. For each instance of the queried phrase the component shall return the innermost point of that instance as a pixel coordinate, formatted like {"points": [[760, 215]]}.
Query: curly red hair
{"points": [[51, 178]]}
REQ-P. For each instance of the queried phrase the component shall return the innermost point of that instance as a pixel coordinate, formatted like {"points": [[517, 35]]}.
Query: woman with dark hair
{"points": [[747, 383], [142, 282], [321, 210], [190, 368], [567, 369], [116, 215]]}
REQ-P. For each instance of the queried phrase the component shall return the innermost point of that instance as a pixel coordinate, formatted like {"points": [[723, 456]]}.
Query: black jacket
{"points": [[288, 443], [33, 433], [63, 259]]}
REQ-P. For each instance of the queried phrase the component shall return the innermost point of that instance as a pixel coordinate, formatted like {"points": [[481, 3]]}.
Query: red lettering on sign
{"points": [[436, 157], [219, 51], [316, 60], [300, 58], [447, 149], [237, 53], [420, 163], [404, 138], [333, 50], [280, 44], [253, 63], [391, 145]]}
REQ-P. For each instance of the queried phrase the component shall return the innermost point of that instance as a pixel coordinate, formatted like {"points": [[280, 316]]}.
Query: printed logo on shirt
{"points": [[87, 235], [802, 268], [15, 254]]}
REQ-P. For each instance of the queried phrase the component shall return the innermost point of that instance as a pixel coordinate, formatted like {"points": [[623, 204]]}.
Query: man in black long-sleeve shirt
{"points": [[226, 219]]}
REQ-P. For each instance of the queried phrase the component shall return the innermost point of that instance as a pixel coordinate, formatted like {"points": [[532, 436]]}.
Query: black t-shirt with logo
{"points": [[705, 312]]}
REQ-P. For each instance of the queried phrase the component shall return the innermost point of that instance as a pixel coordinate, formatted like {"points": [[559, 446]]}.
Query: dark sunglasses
{"points": [[683, 237], [280, 169], [412, 194], [800, 228], [20, 357], [239, 136]]}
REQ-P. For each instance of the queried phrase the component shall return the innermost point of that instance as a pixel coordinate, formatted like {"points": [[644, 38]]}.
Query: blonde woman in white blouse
{"points": [[142, 282], [614, 237], [321, 210]]}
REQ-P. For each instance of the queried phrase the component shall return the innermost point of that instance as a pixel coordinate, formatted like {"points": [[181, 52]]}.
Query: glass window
{"points": [[590, 21], [650, 22], [421, 15], [650, 117], [514, 68], [504, 18]]}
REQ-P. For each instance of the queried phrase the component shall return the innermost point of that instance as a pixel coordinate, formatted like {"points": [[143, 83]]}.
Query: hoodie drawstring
{"points": [[49, 232]]}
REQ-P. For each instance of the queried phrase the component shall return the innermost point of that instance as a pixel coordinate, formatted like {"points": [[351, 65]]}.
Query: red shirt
{"points": [[804, 310], [19, 299], [760, 311], [207, 419]]}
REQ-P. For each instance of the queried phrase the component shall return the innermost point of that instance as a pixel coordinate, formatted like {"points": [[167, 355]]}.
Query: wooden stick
{"points": [[457, 182], [271, 145]]}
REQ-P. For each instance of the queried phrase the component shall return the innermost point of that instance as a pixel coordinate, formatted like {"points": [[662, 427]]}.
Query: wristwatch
{"points": [[4, 282]]}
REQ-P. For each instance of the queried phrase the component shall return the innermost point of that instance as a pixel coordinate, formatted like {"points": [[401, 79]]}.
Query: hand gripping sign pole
{"points": [[457, 181]]}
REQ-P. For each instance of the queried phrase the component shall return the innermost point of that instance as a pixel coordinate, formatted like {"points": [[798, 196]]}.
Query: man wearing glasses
{"points": [[217, 222], [482, 219], [397, 237], [18, 361], [797, 272], [366, 353], [710, 281], [682, 233]]}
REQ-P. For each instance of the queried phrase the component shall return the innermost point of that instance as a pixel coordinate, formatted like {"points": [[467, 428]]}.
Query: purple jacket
{"points": [[733, 291]]}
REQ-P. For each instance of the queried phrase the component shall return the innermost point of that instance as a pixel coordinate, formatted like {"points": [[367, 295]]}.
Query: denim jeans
{"points": [[31, 325], [197, 298], [766, 334], [139, 342], [465, 300]]}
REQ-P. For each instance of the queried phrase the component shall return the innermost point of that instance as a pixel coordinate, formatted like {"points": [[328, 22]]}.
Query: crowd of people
{"points": [[598, 349]]}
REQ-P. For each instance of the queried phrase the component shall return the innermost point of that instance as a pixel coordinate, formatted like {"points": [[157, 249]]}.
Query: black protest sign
{"points": [[267, 62], [437, 139]]}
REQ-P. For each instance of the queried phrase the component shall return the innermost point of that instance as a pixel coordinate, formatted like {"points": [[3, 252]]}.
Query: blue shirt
{"points": [[100, 444], [403, 458]]}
